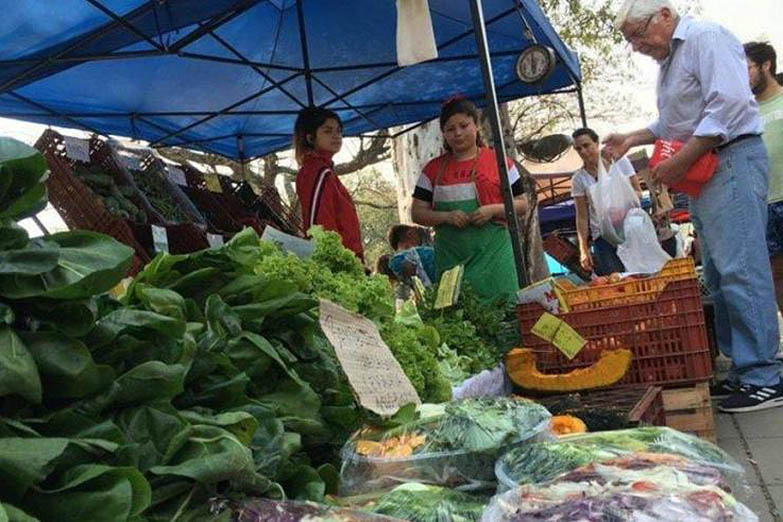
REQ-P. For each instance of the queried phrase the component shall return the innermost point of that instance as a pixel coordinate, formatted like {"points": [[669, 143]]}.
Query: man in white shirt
{"points": [[603, 259], [705, 102]]}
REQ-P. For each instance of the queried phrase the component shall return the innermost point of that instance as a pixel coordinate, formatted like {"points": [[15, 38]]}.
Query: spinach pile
{"points": [[207, 379]]}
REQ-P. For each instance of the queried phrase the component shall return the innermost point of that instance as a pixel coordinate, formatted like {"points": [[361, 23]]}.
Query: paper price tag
{"points": [[214, 240], [160, 239], [213, 183], [77, 149], [176, 175], [374, 374], [557, 332], [288, 243], [131, 162], [449, 287]]}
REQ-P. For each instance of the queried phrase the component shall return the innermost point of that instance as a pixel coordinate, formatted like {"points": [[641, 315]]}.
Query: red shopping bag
{"points": [[699, 173]]}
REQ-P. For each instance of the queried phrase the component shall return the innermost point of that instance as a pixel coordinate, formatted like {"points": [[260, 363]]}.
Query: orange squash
{"points": [[609, 369], [566, 425]]}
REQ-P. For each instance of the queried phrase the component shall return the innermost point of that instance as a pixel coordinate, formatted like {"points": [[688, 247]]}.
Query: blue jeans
{"points": [[605, 258], [730, 216]]}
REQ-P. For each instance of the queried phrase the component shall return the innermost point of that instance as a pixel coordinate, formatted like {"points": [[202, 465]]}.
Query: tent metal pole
{"points": [[305, 53], [126, 24], [500, 150], [582, 112]]}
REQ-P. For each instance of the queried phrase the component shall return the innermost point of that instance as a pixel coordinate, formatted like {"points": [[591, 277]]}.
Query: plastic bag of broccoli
{"points": [[453, 445]]}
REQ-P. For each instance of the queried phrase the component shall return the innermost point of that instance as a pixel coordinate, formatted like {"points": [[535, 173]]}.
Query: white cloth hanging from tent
{"points": [[415, 36]]}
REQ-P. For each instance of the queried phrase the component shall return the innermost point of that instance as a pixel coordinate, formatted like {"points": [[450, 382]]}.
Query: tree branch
{"points": [[379, 206], [377, 151]]}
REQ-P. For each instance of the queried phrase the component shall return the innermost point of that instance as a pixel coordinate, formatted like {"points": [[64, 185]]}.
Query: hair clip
{"points": [[455, 98]]}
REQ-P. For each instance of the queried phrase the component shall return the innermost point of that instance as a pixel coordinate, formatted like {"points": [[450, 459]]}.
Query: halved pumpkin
{"points": [[607, 370]]}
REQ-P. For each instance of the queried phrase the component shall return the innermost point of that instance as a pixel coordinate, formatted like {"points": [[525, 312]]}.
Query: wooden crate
{"points": [[690, 410]]}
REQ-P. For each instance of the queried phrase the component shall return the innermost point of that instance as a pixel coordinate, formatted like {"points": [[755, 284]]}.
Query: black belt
{"points": [[736, 140]]}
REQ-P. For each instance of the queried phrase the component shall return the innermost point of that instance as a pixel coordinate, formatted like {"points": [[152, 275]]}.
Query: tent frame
{"points": [[208, 28]]}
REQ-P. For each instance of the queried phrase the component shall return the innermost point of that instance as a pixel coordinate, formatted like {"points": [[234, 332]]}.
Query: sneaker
{"points": [[723, 388], [753, 398]]}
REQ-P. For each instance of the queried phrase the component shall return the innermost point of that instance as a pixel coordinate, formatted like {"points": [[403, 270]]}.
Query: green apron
{"points": [[485, 251]]}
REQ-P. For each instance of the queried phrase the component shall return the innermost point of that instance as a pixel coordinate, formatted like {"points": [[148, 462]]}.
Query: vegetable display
{"points": [[607, 370], [543, 461], [453, 445], [116, 198], [628, 490], [154, 186]]}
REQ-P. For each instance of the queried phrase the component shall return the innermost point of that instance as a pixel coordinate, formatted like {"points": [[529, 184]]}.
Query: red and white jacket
{"points": [[325, 201]]}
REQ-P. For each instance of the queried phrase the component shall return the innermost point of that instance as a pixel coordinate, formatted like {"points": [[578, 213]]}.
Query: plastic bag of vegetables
{"points": [[453, 445], [264, 510], [543, 461], [620, 491], [416, 502]]}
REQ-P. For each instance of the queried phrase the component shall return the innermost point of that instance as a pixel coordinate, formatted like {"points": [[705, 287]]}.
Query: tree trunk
{"points": [[410, 152], [529, 227]]}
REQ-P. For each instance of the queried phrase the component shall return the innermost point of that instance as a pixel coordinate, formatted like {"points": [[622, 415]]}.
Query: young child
{"points": [[413, 256], [318, 136]]}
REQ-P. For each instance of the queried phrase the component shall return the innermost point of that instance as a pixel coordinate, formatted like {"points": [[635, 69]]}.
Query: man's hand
{"points": [[482, 215], [617, 145], [458, 219], [670, 171], [586, 260]]}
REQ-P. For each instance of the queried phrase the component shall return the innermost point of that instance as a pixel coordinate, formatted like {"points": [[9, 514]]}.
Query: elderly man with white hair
{"points": [[705, 102]]}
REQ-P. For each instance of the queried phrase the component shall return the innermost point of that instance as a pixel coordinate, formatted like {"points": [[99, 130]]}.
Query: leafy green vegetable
{"points": [[424, 503]]}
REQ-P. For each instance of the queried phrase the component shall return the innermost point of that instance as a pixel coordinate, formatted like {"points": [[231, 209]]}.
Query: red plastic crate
{"points": [[566, 253], [77, 204], [667, 336]]}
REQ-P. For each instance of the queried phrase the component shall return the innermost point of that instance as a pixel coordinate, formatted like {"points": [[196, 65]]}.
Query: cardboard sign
{"points": [[449, 287], [77, 149], [557, 332], [214, 240], [213, 183], [374, 374], [160, 239], [546, 293], [295, 245], [176, 176]]}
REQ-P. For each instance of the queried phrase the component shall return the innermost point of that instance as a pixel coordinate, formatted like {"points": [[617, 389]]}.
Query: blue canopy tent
{"points": [[229, 76]]}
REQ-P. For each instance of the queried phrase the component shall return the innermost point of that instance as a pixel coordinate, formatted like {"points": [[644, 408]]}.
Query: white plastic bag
{"points": [[487, 384], [641, 251], [613, 196]]}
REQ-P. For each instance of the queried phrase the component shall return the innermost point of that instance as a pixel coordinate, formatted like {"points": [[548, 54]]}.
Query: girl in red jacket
{"points": [[318, 135]]}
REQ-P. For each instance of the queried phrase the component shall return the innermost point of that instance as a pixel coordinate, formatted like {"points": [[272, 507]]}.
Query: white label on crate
{"points": [[77, 149], [176, 175], [160, 239], [214, 240], [131, 162]]}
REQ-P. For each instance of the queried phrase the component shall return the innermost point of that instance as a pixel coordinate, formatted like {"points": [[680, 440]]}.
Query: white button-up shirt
{"points": [[703, 86]]}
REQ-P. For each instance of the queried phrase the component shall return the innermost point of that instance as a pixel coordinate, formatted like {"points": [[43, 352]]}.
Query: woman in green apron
{"points": [[459, 193]]}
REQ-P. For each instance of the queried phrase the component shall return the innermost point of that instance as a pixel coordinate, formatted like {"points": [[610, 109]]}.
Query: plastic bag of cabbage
{"points": [[452, 445]]}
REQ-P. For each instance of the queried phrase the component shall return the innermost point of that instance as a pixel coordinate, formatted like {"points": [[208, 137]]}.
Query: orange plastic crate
{"points": [[632, 290], [666, 334]]}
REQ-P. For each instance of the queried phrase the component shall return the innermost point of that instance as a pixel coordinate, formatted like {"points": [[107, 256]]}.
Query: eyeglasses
{"points": [[641, 32]]}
